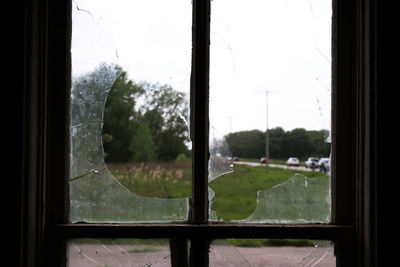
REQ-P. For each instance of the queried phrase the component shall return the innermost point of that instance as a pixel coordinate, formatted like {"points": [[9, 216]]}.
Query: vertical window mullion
{"points": [[199, 110], [199, 126], [55, 43], [344, 126], [179, 252], [343, 112]]}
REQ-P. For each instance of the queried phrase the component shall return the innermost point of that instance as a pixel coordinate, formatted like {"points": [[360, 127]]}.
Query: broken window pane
{"points": [[252, 194], [118, 252], [219, 163], [299, 199], [270, 93], [271, 252], [130, 158]]}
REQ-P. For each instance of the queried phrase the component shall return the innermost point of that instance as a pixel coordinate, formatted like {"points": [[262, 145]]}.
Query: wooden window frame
{"points": [[44, 198]]}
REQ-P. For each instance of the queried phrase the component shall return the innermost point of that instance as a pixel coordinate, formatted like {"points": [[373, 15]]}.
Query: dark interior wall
{"points": [[17, 114]]}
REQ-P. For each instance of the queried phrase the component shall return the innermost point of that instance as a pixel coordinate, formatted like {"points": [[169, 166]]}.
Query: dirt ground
{"points": [[114, 255]]}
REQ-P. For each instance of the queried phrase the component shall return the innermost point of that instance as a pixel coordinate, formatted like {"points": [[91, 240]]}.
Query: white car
{"points": [[312, 163], [292, 161], [324, 165]]}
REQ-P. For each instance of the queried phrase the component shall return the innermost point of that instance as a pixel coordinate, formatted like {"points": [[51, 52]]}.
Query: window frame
{"points": [[45, 129]]}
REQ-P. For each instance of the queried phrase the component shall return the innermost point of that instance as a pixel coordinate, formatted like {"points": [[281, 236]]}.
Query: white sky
{"points": [[256, 45]]}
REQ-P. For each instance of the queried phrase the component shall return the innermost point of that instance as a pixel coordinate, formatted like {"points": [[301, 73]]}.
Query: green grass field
{"points": [[163, 180], [235, 193]]}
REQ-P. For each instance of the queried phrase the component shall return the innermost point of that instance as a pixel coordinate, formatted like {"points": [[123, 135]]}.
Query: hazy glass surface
{"points": [[270, 93], [130, 148], [118, 252], [270, 252]]}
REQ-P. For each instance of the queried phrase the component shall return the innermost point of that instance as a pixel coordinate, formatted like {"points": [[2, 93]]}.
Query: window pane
{"points": [[130, 155], [271, 252], [270, 93], [118, 252]]}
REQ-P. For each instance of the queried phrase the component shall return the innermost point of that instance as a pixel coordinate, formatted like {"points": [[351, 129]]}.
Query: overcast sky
{"points": [[256, 45]]}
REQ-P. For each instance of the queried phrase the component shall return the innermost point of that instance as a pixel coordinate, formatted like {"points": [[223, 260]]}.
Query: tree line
{"points": [[283, 144], [144, 122]]}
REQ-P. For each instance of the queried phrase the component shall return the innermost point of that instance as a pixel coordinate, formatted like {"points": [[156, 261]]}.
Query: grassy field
{"points": [[235, 193], [164, 180]]}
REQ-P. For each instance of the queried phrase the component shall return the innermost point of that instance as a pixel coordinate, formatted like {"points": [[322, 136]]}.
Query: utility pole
{"points": [[266, 133], [230, 133], [230, 124]]}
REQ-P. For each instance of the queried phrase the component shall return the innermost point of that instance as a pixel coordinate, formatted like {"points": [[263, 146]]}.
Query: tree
{"points": [[282, 144], [105, 96], [90, 91], [164, 113], [275, 136], [121, 119], [88, 96], [107, 100], [142, 146], [296, 143], [320, 147], [247, 144]]}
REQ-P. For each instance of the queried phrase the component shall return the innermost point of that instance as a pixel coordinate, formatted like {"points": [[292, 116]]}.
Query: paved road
{"points": [[300, 168]]}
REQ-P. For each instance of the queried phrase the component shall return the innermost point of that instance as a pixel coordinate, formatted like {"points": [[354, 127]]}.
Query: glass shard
{"points": [[271, 252], [297, 200], [95, 194], [252, 194], [99, 197], [220, 161], [118, 252]]}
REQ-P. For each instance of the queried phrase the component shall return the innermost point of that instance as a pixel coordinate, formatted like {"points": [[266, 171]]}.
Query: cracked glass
{"points": [[271, 252], [270, 111], [118, 252], [130, 157]]}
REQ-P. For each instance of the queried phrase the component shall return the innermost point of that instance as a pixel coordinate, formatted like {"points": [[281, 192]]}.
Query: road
{"points": [[300, 168]]}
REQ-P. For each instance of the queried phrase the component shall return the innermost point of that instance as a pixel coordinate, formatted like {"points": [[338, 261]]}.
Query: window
{"points": [[46, 127]]}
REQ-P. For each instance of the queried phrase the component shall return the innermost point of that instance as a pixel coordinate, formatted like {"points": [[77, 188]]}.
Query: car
{"points": [[292, 161], [324, 165], [312, 163], [231, 159], [263, 160]]}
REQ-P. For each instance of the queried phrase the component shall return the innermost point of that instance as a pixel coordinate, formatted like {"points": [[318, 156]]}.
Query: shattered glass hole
{"points": [[95, 194], [103, 56]]}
